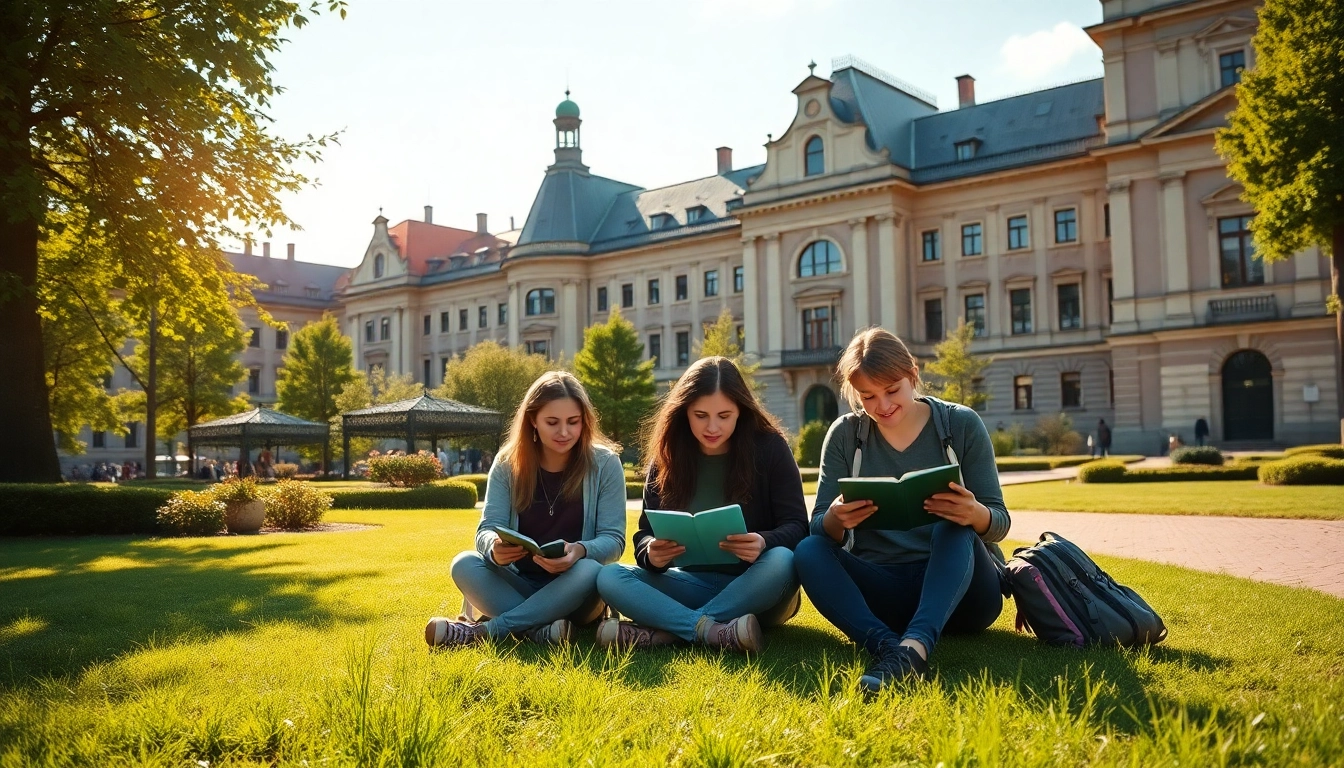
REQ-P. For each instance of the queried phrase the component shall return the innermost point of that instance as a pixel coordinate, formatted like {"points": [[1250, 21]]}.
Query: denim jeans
{"points": [[521, 601], [956, 589], [677, 599]]}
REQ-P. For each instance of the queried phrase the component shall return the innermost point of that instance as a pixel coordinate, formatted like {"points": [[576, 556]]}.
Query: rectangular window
{"points": [[100, 439], [428, 320], [712, 283], [817, 328], [1110, 301], [461, 319], [254, 381], [503, 311], [965, 150], [1240, 265], [1066, 226], [1070, 307], [445, 322], [482, 317], [972, 243], [1022, 393], [933, 319], [254, 340], [282, 338], [133, 434], [1106, 219], [1071, 389], [655, 295], [1020, 301], [368, 331], [975, 314], [739, 279], [602, 299], [1230, 66], [931, 247], [656, 349], [539, 347], [627, 295], [443, 368], [682, 287], [1018, 236], [384, 329], [428, 382], [683, 348], [1110, 384]]}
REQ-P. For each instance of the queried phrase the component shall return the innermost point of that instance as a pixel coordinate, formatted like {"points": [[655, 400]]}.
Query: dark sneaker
{"points": [[558, 632], [895, 663], [742, 634], [612, 633], [442, 632]]}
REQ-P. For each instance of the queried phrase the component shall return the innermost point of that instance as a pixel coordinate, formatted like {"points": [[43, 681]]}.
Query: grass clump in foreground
{"points": [[297, 647], [1231, 498]]}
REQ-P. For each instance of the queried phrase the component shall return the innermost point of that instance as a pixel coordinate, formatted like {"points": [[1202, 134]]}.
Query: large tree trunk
{"points": [[151, 393], [1336, 271]]}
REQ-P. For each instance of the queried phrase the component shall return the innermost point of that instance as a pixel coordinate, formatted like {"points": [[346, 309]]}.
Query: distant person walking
{"points": [[1103, 439], [1201, 431]]}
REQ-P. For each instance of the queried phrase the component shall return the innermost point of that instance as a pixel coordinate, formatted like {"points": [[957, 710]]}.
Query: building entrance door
{"points": [[820, 405], [1248, 397]]}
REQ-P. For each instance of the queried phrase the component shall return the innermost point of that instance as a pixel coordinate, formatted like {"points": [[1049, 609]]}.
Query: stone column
{"points": [[774, 290], [357, 341], [887, 270], [397, 359], [858, 259], [569, 317], [1174, 249], [1093, 286], [751, 301], [515, 314], [1122, 259], [1041, 236], [695, 285], [997, 311]]}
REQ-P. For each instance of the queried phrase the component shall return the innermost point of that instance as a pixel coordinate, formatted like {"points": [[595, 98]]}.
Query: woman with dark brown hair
{"points": [[711, 444], [557, 477]]}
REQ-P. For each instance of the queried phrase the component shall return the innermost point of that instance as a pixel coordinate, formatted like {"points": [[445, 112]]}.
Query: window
{"points": [[282, 338], [814, 161], [931, 249], [602, 299], [975, 314], [538, 347], [683, 348], [503, 313], [1230, 66], [739, 279], [656, 349], [712, 283], [428, 321], [482, 316], [107, 381], [662, 221], [443, 368], [933, 319], [655, 292], [384, 329], [1020, 301], [254, 340], [1110, 383], [427, 374], [100, 439], [627, 295], [740, 335], [819, 258], [972, 240], [445, 322], [254, 381], [1106, 219], [312, 292], [1110, 301], [1018, 236], [540, 301], [1071, 389], [1066, 226], [1070, 307], [368, 331], [817, 328], [682, 287], [1240, 265], [697, 214], [1022, 393], [133, 434], [461, 319], [966, 150], [378, 263]]}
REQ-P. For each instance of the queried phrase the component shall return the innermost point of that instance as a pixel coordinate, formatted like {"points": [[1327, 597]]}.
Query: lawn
{"points": [[1235, 498], [278, 649]]}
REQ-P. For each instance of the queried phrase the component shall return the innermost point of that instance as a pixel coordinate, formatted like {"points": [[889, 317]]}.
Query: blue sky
{"points": [[449, 103]]}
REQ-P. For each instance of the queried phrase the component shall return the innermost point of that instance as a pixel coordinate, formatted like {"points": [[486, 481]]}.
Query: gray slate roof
{"points": [[570, 207], [889, 112], [288, 281]]}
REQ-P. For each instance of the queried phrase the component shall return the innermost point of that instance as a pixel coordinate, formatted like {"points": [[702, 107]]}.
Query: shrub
{"points": [[810, 474], [1034, 465], [1328, 450], [285, 471], [293, 505], [479, 481], [1191, 472], [1303, 469], [634, 491], [405, 471], [193, 513], [1057, 437], [1198, 454], [446, 494], [807, 448], [1003, 442], [75, 509], [236, 489], [1104, 471]]}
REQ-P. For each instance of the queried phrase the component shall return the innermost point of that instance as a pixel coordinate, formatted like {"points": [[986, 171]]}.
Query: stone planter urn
{"points": [[244, 516]]}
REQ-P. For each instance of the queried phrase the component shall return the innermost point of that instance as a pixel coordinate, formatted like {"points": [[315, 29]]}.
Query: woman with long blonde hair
{"points": [[557, 477]]}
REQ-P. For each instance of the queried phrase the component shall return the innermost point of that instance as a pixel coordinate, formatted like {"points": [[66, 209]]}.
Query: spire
{"points": [[568, 152]]}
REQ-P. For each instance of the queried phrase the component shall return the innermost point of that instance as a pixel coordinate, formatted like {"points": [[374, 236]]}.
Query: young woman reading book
{"points": [[712, 444], [896, 592], [556, 477]]}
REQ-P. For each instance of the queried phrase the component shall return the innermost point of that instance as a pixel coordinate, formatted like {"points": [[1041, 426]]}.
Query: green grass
{"points": [[1234, 498], [275, 649]]}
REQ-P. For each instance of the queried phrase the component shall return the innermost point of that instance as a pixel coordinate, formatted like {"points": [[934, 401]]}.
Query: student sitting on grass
{"points": [[712, 444], [557, 477], [895, 592]]}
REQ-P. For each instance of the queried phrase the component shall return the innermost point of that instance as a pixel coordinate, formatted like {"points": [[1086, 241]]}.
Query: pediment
{"points": [[1066, 272], [1209, 112], [537, 328], [1227, 26], [1228, 193], [819, 292], [971, 285]]}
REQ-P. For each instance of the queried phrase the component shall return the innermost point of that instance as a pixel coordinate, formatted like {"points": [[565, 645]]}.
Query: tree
{"points": [[148, 120], [318, 367], [366, 389], [1284, 144], [198, 369], [619, 381], [957, 369], [492, 376], [721, 340]]}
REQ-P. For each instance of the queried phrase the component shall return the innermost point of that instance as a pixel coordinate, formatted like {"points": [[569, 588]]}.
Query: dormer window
{"points": [[663, 221], [280, 287], [697, 214], [312, 291], [966, 149], [814, 157]]}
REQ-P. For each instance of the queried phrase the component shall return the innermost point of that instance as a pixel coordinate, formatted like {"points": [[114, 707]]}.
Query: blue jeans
{"points": [[677, 600], [956, 589], [521, 601]]}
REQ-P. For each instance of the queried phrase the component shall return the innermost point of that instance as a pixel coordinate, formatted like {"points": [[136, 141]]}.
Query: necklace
{"points": [[550, 505]]}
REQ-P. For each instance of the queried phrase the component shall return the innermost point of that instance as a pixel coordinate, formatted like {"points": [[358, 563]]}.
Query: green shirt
{"points": [[711, 480]]}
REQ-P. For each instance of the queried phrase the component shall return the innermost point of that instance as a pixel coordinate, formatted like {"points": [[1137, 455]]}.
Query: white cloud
{"points": [[1047, 52]]}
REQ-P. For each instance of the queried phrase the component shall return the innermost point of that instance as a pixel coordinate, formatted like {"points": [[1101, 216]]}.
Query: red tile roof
{"points": [[418, 242]]}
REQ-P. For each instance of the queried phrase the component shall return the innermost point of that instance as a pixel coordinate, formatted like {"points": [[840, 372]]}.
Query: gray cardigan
{"points": [[603, 508]]}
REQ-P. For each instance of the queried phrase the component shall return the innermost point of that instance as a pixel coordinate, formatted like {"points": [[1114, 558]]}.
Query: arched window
{"points": [[819, 258], [815, 157], [819, 405], [378, 266], [541, 301]]}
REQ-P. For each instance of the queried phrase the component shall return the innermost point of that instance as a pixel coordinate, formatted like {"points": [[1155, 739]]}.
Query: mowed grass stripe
{"points": [[1230, 498]]}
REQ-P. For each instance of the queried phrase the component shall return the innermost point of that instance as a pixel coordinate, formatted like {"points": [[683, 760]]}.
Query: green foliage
{"points": [[367, 389], [1056, 436], [76, 509], [445, 494], [1033, 465], [318, 366], [807, 445], [720, 339], [492, 376], [295, 505], [405, 471], [239, 489], [1329, 450], [197, 369], [634, 491], [1003, 442], [619, 381], [1304, 469], [1198, 454], [192, 513], [1191, 472], [1103, 471], [955, 369], [480, 481], [285, 471]]}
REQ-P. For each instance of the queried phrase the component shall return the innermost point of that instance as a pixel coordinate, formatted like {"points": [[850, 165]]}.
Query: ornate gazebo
{"points": [[420, 418], [257, 427]]}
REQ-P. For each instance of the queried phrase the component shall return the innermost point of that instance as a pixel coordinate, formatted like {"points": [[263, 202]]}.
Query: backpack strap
{"points": [[942, 424], [861, 430]]}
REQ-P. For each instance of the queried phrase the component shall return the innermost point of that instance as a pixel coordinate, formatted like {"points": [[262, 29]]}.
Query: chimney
{"points": [[481, 229], [429, 214], [725, 159], [511, 227], [965, 91], [247, 247], [266, 249], [289, 251]]}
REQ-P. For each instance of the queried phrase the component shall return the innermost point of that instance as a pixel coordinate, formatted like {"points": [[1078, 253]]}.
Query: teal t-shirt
{"points": [[711, 480]]}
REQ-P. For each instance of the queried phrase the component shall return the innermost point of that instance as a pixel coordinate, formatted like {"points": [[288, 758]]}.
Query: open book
{"points": [[900, 503], [699, 533], [550, 549]]}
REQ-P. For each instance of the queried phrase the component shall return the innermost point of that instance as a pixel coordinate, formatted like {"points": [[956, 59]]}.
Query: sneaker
{"points": [[613, 633], [895, 663], [558, 632], [442, 632], [742, 634]]}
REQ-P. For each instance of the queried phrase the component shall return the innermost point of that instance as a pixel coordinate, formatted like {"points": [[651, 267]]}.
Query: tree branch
{"points": [[101, 333]]}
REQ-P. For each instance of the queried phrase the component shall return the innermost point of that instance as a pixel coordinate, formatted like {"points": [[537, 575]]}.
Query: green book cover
{"points": [[699, 533], [900, 503], [549, 550]]}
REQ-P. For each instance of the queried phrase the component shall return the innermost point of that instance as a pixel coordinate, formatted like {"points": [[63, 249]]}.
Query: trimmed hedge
{"points": [[409, 471], [1104, 471], [477, 480], [634, 491], [1303, 469], [1035, 465], [1111, 471], [446, 494], [1198, 454], [810, 474], [1328, 450], [75, 509]]}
